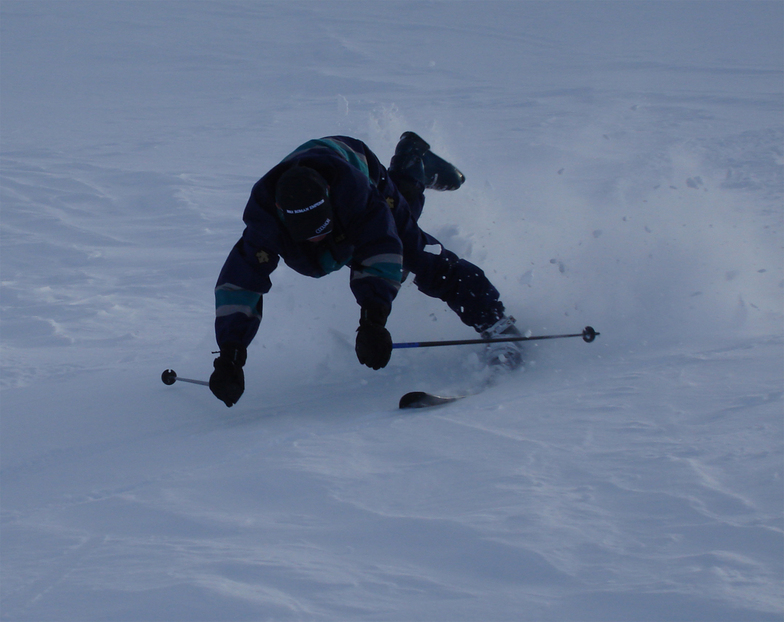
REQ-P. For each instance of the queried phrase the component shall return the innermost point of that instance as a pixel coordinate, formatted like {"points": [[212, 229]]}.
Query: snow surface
{"points": [[624, 165]]}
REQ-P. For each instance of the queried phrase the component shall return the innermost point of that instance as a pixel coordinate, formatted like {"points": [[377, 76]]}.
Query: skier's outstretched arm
{"points": [[239, 292]]}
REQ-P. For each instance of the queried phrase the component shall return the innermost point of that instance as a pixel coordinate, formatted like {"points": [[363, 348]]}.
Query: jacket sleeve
{"points": [[377, 265], [242, 282]]}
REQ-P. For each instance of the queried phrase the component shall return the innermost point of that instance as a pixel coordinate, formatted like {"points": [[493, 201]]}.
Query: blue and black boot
{"points": [[506, 354], [414, 160]]}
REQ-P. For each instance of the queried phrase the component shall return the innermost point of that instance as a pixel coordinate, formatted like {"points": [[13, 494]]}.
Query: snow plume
{"points": [[660, 243]]}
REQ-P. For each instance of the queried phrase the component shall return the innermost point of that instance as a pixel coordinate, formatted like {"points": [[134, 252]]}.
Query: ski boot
{"points": [[414, 159], [504, 355]]}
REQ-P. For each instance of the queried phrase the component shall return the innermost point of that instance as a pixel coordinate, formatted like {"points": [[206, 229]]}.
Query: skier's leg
{"points": [[439, 272], [463, 286], [470, 294], [414, 167]]}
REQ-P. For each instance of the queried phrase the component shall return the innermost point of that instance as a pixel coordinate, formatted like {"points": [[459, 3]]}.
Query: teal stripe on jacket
{"points": [[230, 299], [352, 157], [388, 266]]}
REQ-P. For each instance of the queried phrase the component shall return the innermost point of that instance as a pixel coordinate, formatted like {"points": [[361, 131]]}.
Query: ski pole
{"points": [[588, 335], [170, 377]]}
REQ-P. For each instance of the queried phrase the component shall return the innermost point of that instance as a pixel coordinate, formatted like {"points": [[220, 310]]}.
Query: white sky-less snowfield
{"points": [[624, 164]]}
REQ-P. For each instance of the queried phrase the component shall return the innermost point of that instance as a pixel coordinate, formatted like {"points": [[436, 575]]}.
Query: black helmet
{"points": [[302, 198]]}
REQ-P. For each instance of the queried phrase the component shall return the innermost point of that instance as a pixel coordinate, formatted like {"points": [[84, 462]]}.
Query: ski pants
{"points": [[443, 275]]}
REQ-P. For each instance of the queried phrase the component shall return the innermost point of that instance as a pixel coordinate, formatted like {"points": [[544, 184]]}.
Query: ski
{"points": [[421, 399]]}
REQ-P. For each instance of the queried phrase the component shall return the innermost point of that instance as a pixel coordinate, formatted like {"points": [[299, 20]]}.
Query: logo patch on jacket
{"points": [[262, 257]]}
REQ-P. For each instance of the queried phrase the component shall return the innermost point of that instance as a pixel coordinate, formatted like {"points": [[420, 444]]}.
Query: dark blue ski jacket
{"points": [[364, 237]]}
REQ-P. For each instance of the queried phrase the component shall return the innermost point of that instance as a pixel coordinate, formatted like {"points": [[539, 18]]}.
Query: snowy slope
{"points": [[624, 165]]}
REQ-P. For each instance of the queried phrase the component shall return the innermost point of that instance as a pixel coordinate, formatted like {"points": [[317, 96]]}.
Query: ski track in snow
{"points": [[625, 170]]}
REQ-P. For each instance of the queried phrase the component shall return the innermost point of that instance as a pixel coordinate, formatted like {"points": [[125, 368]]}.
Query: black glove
{"points": [[374, 344], [228, 380]]}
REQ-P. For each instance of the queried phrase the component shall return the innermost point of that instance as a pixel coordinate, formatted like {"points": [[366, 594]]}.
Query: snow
{"points": [[624, 165]]}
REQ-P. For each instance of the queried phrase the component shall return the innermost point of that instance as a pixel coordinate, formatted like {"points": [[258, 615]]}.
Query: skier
{"points": [[331, 204]]}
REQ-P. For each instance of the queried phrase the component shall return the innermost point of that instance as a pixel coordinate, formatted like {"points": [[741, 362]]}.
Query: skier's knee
{"points": [[464, 287], [436, 276]]}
